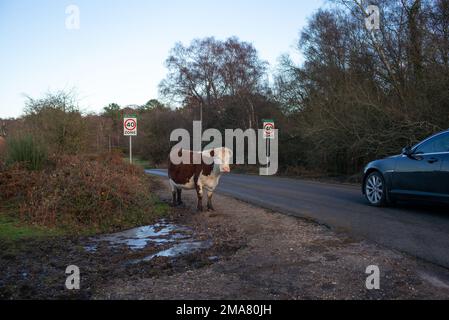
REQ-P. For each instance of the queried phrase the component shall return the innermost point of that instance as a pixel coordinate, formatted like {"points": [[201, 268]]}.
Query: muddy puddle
{"points": [[173, 241], [179, 249]]}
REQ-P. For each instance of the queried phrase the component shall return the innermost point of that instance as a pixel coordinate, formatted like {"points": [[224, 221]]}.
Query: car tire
{"points": [[375, 189]]}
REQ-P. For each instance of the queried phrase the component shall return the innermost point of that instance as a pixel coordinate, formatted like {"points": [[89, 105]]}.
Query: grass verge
{"points": [[139, 162], [12, 229]]}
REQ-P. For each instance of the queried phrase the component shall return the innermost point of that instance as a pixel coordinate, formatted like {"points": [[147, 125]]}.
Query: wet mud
{"points": [[237, 252]]}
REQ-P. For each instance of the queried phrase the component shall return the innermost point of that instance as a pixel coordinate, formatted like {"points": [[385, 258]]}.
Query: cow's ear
{"points": [[212, 153]]}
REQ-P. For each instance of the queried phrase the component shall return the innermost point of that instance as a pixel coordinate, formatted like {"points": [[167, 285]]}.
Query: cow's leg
{"points": [[173, 192], [209, 201], [174, 198], [179, 200], [199, 193]]}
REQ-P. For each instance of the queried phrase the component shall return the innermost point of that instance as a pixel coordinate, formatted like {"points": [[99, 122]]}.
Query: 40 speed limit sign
{"points": [[130, 125], [268, 129]]}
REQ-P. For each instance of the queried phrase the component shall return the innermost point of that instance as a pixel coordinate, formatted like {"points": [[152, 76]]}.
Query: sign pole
{"points": [[131, 149], [268, 152], [268, 134]]}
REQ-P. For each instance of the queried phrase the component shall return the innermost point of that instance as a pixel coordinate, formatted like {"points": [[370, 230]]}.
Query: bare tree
{"points": [[208, 70], [362, 94]]}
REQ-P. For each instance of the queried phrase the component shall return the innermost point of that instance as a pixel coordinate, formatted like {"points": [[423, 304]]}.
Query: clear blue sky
{"points": [[118, 53]]}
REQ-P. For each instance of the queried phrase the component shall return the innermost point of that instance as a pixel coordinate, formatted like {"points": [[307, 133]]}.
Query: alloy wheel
{"points": [[374, 189]]}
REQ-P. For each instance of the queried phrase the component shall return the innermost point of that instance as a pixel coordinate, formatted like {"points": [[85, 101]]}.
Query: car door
{"points": [[442, 178], [420, 173]]}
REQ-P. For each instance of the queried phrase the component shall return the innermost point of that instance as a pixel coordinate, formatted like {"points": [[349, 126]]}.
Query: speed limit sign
{"points": [[130, 126], [268, 129], [130, 130]]}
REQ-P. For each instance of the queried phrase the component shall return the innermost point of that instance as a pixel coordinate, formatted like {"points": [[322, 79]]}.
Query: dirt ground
{"points": [[254, 254], [281, 257]]}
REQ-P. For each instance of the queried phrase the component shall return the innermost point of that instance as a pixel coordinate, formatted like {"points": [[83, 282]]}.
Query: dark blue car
{"points": [[420, 172]]}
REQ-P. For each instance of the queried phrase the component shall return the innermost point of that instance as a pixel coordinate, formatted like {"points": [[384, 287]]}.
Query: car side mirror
{"points": [[407, 151]]}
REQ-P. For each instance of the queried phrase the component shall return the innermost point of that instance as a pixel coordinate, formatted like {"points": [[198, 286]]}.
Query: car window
{"points": [[439, 143]]}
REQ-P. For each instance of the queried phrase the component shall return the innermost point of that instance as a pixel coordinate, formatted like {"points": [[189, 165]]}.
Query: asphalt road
{"points": [[421, 230]]}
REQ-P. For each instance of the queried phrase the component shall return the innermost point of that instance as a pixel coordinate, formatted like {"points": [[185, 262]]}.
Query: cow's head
{"points": [[222, 157]]}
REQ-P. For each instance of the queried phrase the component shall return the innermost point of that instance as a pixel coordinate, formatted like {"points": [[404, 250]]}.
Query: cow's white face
{"points": [[223, 157]]}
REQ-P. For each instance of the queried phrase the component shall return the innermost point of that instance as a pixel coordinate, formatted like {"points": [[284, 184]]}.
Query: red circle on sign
{"points": [[133, 124]]}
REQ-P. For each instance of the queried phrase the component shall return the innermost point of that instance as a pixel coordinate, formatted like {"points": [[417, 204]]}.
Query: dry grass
{"points": [[82, 194]]}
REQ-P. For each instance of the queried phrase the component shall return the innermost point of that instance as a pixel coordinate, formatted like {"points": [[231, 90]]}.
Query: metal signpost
{"points": [[130, 130], [268, 135]]}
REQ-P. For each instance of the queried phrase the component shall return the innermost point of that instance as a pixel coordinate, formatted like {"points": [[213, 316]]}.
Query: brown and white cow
{"points": [[202, 176]]}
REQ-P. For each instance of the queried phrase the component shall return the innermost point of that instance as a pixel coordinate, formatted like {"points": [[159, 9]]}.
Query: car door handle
{"points": [[432, 160]]}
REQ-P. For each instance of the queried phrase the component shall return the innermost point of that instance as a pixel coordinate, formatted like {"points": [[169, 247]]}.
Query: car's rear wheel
{"points": [[375, 189]]}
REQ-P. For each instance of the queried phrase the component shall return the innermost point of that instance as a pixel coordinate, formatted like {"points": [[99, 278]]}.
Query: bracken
{"points": [[81, 193]]}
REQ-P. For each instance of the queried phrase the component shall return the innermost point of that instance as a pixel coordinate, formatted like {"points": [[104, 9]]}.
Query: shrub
{"points": [[26, 151], [15, 182], [103, 194], [57, 120], [84, 194]]}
